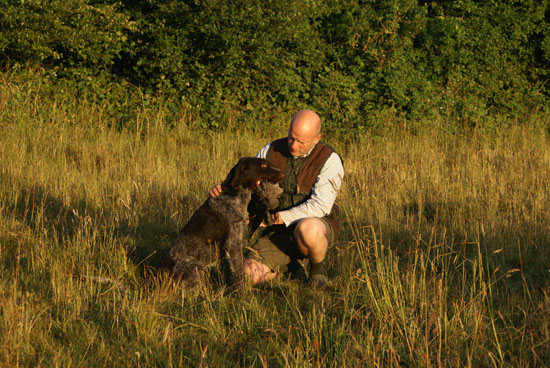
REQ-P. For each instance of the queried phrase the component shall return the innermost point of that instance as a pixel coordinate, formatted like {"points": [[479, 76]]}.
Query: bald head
{"points": [[304, 132], [306, 120]]}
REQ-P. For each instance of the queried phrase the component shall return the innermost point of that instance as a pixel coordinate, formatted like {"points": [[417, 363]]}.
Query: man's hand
{"points": [[215, 191], [275, 220]]}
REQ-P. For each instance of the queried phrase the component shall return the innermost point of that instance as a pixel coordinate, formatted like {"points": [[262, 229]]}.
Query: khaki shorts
{"points": [[277, 248]]}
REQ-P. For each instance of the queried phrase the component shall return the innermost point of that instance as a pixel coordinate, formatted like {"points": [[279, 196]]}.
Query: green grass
{"points": [[443, 260]]}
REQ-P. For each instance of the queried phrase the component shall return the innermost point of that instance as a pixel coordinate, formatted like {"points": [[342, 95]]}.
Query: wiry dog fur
{"points": [[265, 198], [218, 229]]}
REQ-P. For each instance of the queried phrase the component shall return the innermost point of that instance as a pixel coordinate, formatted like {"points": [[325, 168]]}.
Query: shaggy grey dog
{"points": [[218, 229]]}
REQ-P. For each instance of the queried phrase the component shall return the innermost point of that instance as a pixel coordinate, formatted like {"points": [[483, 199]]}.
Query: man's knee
{"points": [[311, 232]]}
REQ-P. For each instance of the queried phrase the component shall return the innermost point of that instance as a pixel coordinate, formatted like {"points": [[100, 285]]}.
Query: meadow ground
{"points": [[443, 259]]}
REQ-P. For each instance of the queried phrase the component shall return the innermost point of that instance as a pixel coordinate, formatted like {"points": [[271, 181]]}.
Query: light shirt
{"points": [[323, 193]]}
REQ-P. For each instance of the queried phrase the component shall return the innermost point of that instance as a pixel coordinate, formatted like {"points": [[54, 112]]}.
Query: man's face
{"points": [[301, 141]]}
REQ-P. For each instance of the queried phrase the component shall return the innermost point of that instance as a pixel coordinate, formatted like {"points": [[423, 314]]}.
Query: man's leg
{"points": [[271, 254], [277, 248], [312, 241]]}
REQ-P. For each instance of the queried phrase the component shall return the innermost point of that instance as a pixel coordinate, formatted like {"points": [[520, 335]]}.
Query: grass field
{"points": [[443, 260]]}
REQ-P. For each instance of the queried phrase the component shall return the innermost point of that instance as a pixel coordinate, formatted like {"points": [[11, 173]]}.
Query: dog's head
{"points": [[249, 172]]}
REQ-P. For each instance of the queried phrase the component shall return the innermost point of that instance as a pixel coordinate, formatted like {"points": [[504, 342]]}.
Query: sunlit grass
{"points": [[443, 258]]}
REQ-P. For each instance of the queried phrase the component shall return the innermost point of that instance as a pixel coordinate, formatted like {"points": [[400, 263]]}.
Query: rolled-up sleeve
{"points": [[263, 152]]}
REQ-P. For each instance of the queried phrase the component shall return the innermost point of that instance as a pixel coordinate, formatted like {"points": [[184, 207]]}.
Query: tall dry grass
{"points": [[443, 258]]}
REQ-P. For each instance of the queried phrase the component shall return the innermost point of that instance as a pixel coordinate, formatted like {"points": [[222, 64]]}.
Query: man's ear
{"points": [[318, 138]]}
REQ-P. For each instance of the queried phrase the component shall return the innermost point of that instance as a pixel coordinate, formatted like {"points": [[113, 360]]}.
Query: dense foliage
{"points": [[353, 61]]}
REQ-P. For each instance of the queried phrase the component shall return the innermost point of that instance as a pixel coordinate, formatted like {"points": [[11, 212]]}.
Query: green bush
{"points": [[466, 61], [71, 39], [483, 55]]}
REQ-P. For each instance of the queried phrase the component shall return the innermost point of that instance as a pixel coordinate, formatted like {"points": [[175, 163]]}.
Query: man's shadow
{"points": [[515, 254], [513, 257]]}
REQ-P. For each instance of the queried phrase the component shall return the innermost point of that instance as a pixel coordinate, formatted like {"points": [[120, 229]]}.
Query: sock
{"points": [[317, 268]]}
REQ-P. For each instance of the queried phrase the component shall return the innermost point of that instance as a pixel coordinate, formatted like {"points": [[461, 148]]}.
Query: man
{"points": [[306, 222]]}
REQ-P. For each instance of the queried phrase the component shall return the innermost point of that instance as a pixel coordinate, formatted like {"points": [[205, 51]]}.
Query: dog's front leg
{"points": [[235, 262]]}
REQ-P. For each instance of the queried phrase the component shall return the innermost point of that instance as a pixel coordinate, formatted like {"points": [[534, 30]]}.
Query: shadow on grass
{"points": [[516, 257], [148, 230]]}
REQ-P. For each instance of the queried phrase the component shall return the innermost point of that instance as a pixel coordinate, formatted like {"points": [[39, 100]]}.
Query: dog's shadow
{"points": [[146, 236], [156, 228]]}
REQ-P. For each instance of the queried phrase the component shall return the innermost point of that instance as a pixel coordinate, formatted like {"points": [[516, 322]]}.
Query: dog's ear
{"points": [[234, 178], [252, 172]]}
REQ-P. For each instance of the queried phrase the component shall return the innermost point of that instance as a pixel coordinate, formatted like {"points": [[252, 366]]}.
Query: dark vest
{"points": [[300, 175]]}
